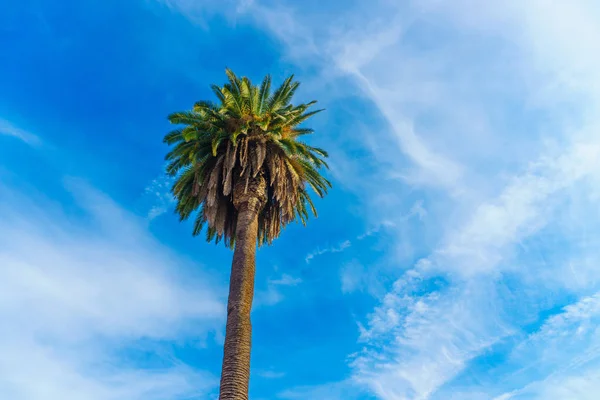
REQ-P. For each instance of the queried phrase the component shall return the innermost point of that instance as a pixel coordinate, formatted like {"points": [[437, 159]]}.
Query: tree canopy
{"points": [[250, 133]]}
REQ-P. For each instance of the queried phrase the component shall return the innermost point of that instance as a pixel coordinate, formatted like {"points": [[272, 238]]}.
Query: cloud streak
{"points": [[8, 129], [333, 249], [452, 111], [80, 293], [504, 145], [158, 194]]}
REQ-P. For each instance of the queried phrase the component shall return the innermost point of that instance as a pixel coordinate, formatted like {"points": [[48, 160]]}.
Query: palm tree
{"points": [[240, 166]]}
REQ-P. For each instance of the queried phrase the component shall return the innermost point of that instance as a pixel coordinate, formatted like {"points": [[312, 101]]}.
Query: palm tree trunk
{"points": [[235, 374]]}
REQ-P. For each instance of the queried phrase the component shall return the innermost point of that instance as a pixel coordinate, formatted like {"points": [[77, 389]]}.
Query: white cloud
{"points": [[486, 239], [197, 11], [581, 387], [524, 206], [418, 210], [357, 277], [333, 249], [158, 193], [268, 297], [563, 355], [273, 293], [285, 280], [498, 107], [352, 276], [447, 329], [414, 344], [78, 292], [417, 343], [377, 228], [6, 128]]}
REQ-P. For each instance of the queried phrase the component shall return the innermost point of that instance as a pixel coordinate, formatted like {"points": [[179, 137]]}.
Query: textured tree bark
{"points": [[235, 373]]}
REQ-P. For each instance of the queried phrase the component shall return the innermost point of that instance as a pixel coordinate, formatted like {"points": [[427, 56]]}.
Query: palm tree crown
{"points": [[224, 147]]}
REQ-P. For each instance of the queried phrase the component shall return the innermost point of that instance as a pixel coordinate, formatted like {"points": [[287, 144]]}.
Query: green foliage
{"points": [[249, 133]]}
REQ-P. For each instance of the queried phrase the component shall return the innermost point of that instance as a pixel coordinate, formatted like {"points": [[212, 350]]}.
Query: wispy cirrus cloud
{"points": [[275, 288], [158, 194], [285, 280], [199, 11], [82, 294], [7, 128], [564, 355], [333, 249], [487, 242], [504, 146], [507, 137]]}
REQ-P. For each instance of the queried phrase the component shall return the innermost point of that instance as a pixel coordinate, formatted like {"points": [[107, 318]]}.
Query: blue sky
{"points": [[457, 257]]}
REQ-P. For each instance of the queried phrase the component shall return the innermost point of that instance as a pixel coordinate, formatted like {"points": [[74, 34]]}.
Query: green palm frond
{"points": [[249, 131]]}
